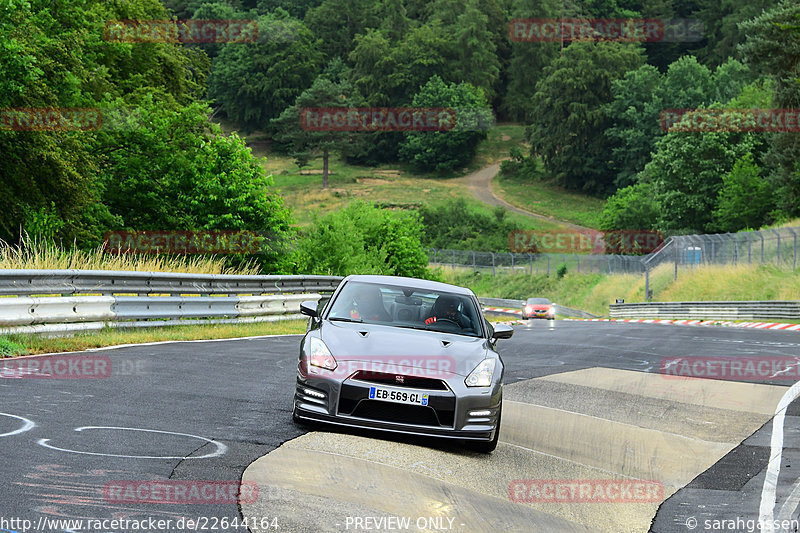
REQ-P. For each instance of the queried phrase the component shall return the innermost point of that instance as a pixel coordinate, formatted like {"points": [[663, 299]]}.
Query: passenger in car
{"points": [[369, 305]]}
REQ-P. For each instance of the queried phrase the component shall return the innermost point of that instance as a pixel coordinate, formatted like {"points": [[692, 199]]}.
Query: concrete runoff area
{"points": [[595, 424]]}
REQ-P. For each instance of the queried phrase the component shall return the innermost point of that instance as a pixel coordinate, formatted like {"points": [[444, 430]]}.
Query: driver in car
{"points": [[446, 308]]}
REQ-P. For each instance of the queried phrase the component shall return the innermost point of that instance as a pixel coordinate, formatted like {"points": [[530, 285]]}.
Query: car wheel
{"points": [[487, 446]]}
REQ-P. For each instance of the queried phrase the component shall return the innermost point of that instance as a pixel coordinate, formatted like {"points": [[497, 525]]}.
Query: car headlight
{"points": [[482, 375], [319, 354]]}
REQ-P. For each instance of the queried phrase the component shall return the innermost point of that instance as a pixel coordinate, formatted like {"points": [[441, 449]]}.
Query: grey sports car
{"points": [[403, 355]]}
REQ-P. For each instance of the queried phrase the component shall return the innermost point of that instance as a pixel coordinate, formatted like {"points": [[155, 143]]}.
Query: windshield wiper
{"points": [[344, 319]]}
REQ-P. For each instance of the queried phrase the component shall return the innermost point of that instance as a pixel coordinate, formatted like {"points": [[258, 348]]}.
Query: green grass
{"points": [[550, 200], [594, 292], [395, 185], [11, 345], [390, 185]]}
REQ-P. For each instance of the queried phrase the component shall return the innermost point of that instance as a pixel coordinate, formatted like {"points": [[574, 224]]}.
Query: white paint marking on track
{"points": [[221, 448], [790, 505], [766, 513], [27, 425]]}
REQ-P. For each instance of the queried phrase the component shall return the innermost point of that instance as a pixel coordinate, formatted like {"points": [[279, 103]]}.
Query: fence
{"points": [[65, 301], [773, 246], [525, 263]]}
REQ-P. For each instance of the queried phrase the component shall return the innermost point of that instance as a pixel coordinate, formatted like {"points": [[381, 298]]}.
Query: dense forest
{"points": [[593, 109]]}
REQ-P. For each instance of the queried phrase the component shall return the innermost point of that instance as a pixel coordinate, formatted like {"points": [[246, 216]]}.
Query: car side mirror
{"points": [[309, 308], [502, 331]]}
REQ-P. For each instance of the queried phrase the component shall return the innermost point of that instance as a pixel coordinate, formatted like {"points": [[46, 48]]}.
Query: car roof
{"points": [[409, 282]]}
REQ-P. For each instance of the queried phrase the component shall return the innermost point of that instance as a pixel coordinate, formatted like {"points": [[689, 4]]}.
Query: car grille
{"points": [[411, 382], [440, 411]]}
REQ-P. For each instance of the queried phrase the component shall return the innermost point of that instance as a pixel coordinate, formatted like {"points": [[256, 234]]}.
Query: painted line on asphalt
{"points": [[26, 426], [768, 496], [221, 448]]}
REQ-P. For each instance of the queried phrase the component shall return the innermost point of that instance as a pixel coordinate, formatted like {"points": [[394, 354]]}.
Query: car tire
{"points": [[487, 446]]}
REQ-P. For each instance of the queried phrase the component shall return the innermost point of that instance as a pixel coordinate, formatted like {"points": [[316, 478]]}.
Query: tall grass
{"points": [[40, 254]]}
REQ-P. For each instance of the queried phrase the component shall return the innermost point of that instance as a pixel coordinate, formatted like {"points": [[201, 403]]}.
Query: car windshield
{"points": [[373, 303], [538, 301]]}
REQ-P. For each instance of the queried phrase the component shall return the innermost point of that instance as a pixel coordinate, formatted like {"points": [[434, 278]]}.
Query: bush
{"points": [[362, 239], [454, 225], [447, 150]]}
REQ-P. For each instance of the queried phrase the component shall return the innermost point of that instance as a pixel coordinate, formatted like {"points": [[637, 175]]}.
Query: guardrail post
{"points": [[762, 247], [512, 262], [578, 259], [794, 238], [473, 261], [530, 261], [492, 262], [646, 284], [454, 259], [677, 256]]}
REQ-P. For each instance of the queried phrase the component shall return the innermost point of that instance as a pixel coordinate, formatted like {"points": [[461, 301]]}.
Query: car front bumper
{"points": [[449, 412]]}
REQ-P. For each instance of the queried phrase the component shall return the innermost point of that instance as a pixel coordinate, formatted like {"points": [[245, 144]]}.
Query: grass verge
{"points": [[594, 292], [14, 345]]}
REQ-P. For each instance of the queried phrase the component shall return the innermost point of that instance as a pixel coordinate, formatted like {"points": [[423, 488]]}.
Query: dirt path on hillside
{"points": [[480, 183]]}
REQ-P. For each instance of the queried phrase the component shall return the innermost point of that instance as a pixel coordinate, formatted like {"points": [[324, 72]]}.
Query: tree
{"points": [[567, 130], [642, 95], [772, 49], [54, 54], [447, 150], [745, 198], [255, 82], [634, 113], [527, 62], [176, 170], [686, 174], [305, 143], [337, 22]]}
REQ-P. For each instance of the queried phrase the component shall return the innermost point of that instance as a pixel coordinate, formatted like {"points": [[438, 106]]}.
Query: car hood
{"points": [[401, 348]]}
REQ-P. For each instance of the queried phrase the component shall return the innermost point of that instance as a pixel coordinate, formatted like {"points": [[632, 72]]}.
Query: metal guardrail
{"points": [[108, 282], [755, 310], [93, 299]]}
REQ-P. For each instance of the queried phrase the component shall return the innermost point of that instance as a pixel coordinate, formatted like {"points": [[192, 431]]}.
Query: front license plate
{"points": [[398, 396]]}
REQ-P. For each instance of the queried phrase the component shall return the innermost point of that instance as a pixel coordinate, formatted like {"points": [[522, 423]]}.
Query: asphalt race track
{"points": [[584, 403]]}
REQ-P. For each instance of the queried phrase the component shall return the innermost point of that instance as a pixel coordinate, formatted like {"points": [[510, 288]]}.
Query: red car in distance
{"points": [[539, 308]]}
